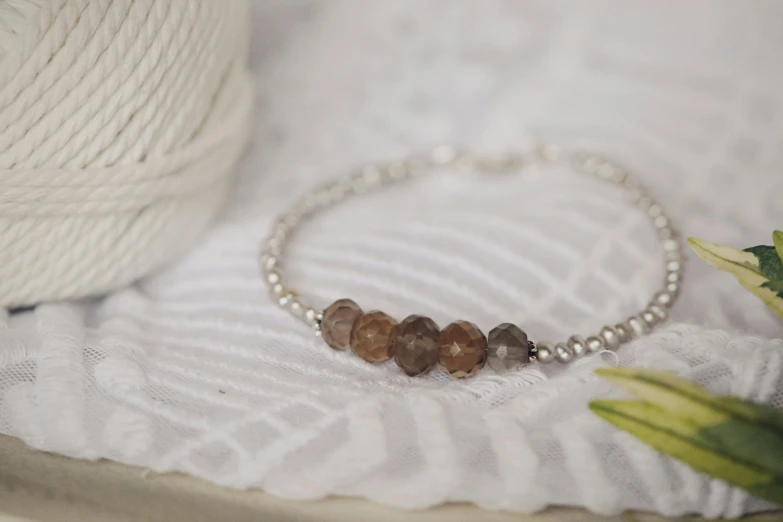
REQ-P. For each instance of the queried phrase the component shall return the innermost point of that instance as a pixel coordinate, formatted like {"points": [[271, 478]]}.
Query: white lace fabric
{"points": [[196, 370]]}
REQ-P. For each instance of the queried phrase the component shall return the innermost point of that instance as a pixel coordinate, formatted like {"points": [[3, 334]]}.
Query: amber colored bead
{"points": [[463, 349], [371, 337], [507, 347], [337, 323], [416, 345]]}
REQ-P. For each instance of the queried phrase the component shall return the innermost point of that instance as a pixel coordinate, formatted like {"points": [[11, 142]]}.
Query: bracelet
{"points": [[416, 343]]}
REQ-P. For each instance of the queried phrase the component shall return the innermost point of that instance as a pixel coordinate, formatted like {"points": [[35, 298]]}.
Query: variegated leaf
{"points": [[758, 269], [737, 441]]}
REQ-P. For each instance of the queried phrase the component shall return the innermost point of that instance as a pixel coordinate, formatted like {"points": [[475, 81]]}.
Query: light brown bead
{"points": [[337, 323], [371, 337], [463, 349], [507, 347], [416, 345]]}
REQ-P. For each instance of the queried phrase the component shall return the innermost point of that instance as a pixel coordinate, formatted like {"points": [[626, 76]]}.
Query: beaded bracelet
{"points": [[416, 343]]}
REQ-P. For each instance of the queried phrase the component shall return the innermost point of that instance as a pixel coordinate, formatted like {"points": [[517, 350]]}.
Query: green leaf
{"points": [[708, 414], [738, 441], [754, 268], [770, 264], [681, 439], [775, 286], [777, 239], [723, 257], [677, 395]]}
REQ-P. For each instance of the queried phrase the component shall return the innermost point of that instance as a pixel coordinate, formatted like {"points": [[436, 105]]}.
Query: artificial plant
{"points": [[735, 440]]}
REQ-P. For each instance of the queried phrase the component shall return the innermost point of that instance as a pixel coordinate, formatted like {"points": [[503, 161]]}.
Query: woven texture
{"points": [[120, 124], [194, 369]]}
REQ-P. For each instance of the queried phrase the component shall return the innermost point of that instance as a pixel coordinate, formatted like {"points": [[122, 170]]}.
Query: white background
{"points": [[195, 370]]}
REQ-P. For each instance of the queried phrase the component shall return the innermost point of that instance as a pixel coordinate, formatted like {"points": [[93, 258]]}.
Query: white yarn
{"points": [[120, 124], [194, 369]]}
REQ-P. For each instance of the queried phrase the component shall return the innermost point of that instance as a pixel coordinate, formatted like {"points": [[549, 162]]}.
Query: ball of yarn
{"points": [[120, 124]]}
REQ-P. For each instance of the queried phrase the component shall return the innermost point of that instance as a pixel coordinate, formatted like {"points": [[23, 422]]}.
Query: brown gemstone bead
{"points": [[337, 323], [507, 347], [463, 349], [371, 337], [416, 345]]}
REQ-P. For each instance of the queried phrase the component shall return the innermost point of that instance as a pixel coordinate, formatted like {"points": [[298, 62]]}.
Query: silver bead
{"points": [[550, 152], [577, 345], [281, 229], [273, 249], [645, 202], [674, 266], [650, 318], [637, 326], [269, 262], [398, 170], [661, 222], [371, 174], [663, 299], [670, 245], [635, 194], [445, 155], [619, 175], [310, 200], [545, 353], [417, 166], [610, 337], [658, 311], [591, 164], [310, 316], [606, 171], [296, 308], [632, 183], [563, 353], [272, 243], [624, 332], [674, 255], [594, 344], [286, 299], [655, 210]]}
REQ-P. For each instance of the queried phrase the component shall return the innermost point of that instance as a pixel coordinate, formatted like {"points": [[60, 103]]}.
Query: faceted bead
{"points": [[463, 349], [337, 323], [416, 345], [371, 337], [507, 348]]}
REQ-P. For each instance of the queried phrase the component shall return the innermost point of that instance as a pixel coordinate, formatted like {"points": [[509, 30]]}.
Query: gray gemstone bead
{"points": [[416, 345], [507, 348], [337, 323]]}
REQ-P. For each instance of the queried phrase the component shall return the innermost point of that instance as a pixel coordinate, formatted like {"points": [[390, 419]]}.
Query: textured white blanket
{"points": [[195, 370]]}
